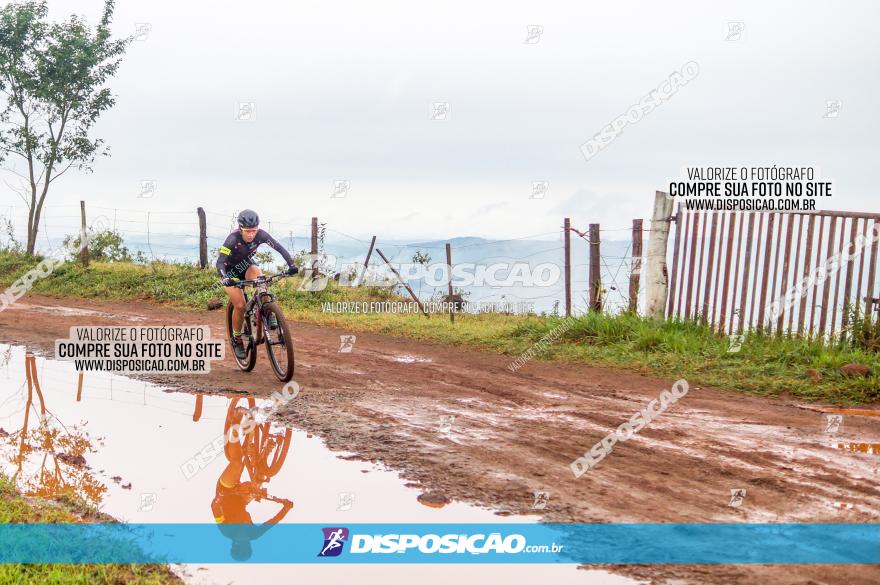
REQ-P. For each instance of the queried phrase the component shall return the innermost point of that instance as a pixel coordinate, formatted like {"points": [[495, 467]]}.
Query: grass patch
{"points": [[16, 509], [765, 365]]}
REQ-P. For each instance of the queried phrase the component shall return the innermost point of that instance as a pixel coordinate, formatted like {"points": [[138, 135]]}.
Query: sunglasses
{"points": [[250, 230]]}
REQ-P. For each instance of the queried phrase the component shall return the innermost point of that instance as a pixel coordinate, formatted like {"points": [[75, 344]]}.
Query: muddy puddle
{"points": [[75, 312], [143, 454], [410, 359], [869, 448]]}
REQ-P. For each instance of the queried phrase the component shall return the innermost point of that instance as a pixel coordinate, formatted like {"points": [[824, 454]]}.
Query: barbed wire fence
{"points": [[176, 237]]}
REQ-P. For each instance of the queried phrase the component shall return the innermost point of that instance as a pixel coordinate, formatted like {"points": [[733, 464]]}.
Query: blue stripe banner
{"points": [[442, 543]]}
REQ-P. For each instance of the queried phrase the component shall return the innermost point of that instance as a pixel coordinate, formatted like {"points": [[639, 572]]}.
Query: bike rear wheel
{"points": [[279, 343], [250, 360]]}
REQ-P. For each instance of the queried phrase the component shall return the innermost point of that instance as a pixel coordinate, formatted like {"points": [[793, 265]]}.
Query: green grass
{"points": [[15, 509], [769, 366]]}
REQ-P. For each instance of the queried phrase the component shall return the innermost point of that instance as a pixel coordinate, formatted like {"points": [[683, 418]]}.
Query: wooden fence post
{"points": [[369, 252], [656, 278], [203, 238], [636, 269], [765, 278], [314, 250], [567, 236], [83, 235], [704, 311], [872, 272], [677, 252], [360, 278], [449, 279], [847, 289], [786, 261], [197, 410], [595, 274]]}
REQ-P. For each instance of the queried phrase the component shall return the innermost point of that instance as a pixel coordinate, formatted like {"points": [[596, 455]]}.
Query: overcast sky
{"points": [[344, 91]]}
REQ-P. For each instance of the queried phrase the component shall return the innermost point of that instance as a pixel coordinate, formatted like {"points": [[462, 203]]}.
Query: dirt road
{"points": [[516, 433]]}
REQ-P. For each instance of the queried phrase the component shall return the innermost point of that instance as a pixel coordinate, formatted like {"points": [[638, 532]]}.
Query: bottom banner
{"points": [[442, 543]]}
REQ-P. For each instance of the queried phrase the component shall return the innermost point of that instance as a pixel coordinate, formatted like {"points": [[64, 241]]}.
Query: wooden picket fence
{"points": [[729, 268]]}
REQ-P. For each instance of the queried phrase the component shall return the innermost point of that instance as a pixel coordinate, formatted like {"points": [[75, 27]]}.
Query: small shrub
{"points": [[863, 331], [105, 246]]}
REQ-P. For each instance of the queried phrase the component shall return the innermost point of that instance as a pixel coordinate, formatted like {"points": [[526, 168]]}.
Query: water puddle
{"points": [[553, 396], [869, 448], [76, 312], [411, 359], [146, 455], [852, 411]]}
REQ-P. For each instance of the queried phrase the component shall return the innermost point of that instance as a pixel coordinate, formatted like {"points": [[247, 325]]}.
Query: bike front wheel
{"points": [[279, 342]]}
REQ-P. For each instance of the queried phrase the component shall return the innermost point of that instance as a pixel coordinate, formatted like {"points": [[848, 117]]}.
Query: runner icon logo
{"points": [[735, 343], [334, 540], [833, 422], [446, 422], [737, 497], [346, 501], [346, 343], [147, 502], [541, 499]]}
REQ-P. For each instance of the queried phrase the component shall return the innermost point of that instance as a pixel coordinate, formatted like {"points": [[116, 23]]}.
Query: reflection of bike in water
{"points": [[264, 451], [253, 447]]}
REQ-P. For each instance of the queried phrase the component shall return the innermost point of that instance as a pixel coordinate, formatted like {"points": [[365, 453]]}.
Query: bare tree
{"points": [[53, 76]]}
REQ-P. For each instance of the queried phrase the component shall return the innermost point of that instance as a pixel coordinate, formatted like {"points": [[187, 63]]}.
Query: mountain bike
{"points": [[264, 452], [256, 328]]}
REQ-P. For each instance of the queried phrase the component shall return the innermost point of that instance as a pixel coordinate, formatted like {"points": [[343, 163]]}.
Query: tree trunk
{"points": [[37, 210], [32, 238], [31, 231]]}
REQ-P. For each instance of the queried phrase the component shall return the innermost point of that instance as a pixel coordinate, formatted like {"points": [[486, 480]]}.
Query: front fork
{"points": [[257, 324], [265, 298], [255, 316]]}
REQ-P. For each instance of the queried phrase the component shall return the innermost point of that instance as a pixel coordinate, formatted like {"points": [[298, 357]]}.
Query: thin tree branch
{"points": [[62, 172]]}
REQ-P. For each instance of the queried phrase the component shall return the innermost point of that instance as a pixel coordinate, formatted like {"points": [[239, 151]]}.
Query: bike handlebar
{"points": [[260, 280]]}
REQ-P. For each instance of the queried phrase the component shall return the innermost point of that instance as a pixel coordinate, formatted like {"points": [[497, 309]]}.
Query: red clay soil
{"points": [[516, 433]]}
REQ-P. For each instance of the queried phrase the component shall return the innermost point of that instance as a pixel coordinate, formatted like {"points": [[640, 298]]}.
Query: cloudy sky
{"points": [[343, 91]]}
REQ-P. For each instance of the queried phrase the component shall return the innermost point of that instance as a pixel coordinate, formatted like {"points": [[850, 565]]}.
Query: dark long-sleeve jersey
{"points": [[235, 254]]}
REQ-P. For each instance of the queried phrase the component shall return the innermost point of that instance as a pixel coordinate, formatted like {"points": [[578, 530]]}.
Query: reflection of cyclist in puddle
{"points": [[233, 495]]}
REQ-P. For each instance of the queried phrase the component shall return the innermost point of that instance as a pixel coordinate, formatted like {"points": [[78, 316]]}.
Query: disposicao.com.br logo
{"points": [[334, 541], [475, 544]]}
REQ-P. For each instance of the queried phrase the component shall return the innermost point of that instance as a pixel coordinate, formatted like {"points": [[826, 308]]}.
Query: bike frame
{"points": [[261, 297]]}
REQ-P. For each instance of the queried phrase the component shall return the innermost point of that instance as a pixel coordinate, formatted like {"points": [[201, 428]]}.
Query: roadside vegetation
{"points": [[17, 509], [763, 365]]}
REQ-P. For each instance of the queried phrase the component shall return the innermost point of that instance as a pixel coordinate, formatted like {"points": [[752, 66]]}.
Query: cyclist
{"points": [[235, 262]]}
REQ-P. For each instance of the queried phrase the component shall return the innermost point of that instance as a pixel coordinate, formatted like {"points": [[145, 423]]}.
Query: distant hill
{"points": [[467, 249]]}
